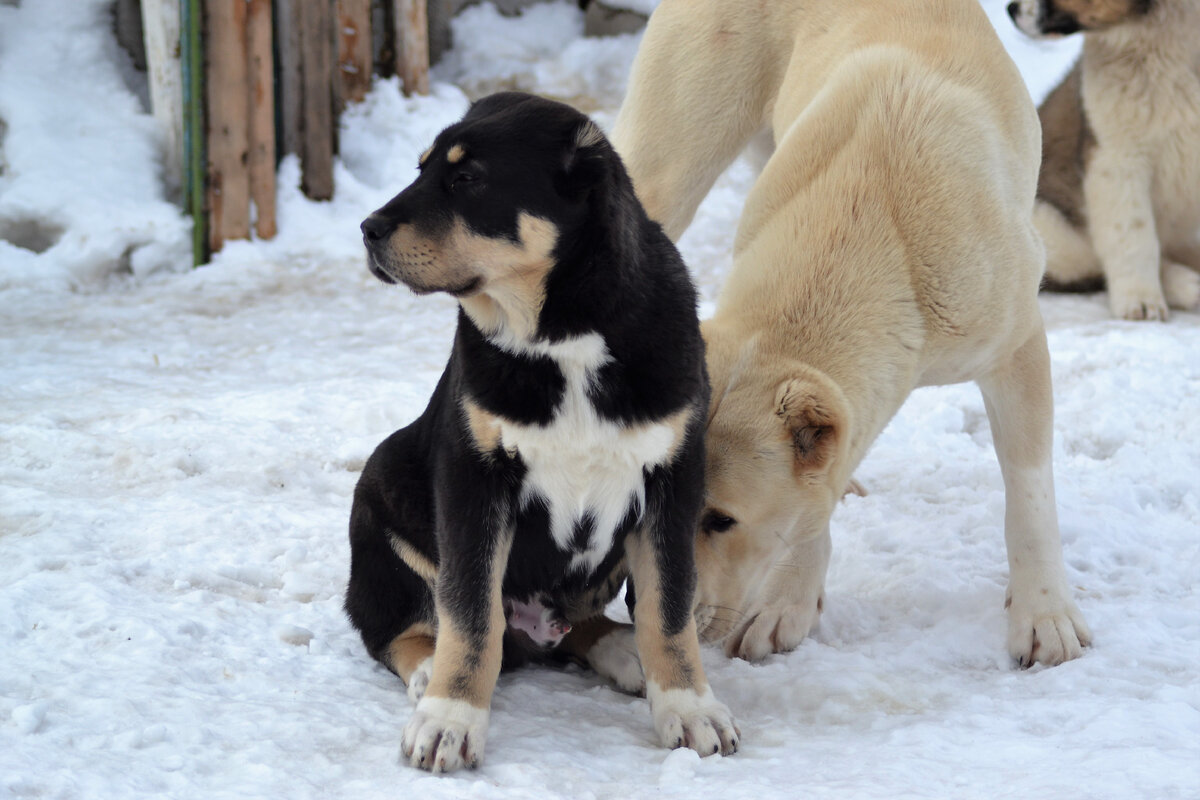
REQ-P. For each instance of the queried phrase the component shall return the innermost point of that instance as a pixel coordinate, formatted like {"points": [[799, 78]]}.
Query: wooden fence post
{"points": [[354, 50], [412, 45], [228, 124], [315, 19], [261, 112]]}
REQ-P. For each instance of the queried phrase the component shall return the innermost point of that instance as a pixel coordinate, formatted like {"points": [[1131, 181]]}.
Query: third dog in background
{"points": [[1119, 191]]}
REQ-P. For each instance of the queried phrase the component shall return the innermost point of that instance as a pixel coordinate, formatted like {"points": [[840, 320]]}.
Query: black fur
{"points": [[615, 273]]}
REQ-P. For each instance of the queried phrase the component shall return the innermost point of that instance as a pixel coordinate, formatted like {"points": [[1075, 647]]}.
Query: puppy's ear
{"points": [[811, 423], [585, 160]]}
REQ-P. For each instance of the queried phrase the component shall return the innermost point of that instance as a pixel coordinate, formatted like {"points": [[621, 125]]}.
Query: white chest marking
{"points": [[580, 465]]}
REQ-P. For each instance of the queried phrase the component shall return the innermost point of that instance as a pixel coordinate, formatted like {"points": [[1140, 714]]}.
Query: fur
{"points": [[562, 450], [886, 245], [1119, 191]]}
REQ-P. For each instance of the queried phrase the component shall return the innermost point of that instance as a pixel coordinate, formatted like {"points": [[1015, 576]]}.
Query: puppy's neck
{"points": [[507, 316]]}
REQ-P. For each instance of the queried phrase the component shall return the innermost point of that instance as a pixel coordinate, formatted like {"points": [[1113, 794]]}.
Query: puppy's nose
{"points": [[374, 228], [1013, 10]]}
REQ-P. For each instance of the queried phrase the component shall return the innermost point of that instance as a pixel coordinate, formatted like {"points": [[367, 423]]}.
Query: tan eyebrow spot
{"points": [[456, 154], [425, 156]]}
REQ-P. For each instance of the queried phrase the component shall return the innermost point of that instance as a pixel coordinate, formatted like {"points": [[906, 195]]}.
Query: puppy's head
{"points": [[495, 193], [776, 446], [1047, 18]]}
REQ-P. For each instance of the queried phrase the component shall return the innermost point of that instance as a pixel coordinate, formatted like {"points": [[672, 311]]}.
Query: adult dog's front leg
{"points": [[685, 712], [1043, 623], [448, 729]]}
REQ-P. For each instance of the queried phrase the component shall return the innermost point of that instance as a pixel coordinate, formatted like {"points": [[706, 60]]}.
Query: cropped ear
{"points": [[811, 422]]}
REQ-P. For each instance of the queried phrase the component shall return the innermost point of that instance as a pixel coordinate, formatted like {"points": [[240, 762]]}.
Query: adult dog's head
{"points": [[776, 444], [1063, 17], [495, 194]]}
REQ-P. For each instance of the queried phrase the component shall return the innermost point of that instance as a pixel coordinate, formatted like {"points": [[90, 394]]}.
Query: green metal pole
{"points": [[194, 167]]}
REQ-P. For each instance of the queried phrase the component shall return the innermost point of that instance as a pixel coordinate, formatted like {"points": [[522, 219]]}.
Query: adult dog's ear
{"points": [[586, 161], [812, 423]]}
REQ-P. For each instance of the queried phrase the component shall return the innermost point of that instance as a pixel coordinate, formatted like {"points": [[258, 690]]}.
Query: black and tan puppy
{"points": [[562, 450]]}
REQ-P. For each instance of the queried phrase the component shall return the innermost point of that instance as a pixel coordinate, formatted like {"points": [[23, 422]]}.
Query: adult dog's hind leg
{"points": [[1044, 624], [699, 89]]}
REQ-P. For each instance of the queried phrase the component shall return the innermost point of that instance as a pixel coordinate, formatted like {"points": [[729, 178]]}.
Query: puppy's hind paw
{"points": [[615, 656], [419, 680]]}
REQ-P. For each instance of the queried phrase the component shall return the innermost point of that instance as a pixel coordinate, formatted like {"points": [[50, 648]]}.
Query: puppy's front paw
{"points": [[685, 718], [775, 629], [615, 656], [1137, 302], [444, 735], [1045, 628]]}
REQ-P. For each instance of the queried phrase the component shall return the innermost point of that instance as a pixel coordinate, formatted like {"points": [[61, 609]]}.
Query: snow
{"points": [[178, 450]]}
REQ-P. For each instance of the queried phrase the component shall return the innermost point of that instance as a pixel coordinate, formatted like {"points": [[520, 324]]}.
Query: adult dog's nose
{"points": [[374, 228], [1013, 10]]}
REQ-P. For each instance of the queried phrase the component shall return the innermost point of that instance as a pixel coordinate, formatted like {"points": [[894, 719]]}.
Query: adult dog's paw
{"points": [[685, 718], [1045, 628], [1181, 286], [615, 656], [775, 629], [444, 735]]}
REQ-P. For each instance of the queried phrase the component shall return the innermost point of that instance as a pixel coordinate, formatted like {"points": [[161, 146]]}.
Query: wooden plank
{"points": [[261, 112], [288, 19], [160, 21], [412, 45], [354, 49], [195, 164], [316, 147], [225, 91]]}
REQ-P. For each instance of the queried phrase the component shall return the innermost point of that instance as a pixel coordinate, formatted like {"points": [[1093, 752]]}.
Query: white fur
{"points": [[418, 682], [687, 718], [581, 464], [615, 656], [444, 734]]}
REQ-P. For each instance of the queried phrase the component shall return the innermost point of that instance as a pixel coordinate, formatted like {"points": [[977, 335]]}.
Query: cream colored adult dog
{"points": [[887, 244], [1119, 193]]}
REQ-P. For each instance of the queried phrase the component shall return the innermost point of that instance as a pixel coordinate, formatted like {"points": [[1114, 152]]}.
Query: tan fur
{"points": [[506, 279], [1120, 192], [456, 154], [887, 245], [409, 649], [464, 669], [670, 661], [414, 559], [585, 634]]}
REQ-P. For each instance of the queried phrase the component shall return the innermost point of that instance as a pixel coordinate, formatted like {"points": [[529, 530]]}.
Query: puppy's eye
{"points": [[462, 179], [716, 522]]}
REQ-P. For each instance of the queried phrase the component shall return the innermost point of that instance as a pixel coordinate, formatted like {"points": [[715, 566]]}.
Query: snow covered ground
{"points": [[178, 450]]}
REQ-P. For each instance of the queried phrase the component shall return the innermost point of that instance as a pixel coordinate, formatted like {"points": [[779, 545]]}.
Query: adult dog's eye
{"points": [[716, 522]]}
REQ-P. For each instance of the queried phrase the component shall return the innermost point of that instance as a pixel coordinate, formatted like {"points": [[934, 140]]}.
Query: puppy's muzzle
{"points": [[376, 230]]}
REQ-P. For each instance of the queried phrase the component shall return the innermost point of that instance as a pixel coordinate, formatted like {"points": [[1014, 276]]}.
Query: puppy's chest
{"points": [[587, 471]]}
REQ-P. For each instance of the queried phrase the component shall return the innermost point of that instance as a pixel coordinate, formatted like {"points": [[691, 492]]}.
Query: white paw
{"points": [[419, 680], [684, 718], [775, 629], [1137, 302], [1181, 286], [444, 735], [1044, 626], [615, 656]]}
